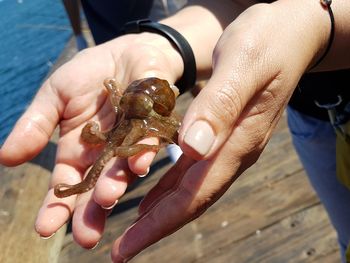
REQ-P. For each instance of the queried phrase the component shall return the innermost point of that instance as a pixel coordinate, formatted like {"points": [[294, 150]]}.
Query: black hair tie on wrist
{"points": [[327, 5], [188, 78]]}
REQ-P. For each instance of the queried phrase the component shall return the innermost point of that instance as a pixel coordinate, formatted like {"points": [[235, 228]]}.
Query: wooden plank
{"points": [[22, 190], [302, 237]]}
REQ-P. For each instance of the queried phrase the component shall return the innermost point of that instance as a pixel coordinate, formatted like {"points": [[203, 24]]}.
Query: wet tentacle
{"points": [[64, 190]]}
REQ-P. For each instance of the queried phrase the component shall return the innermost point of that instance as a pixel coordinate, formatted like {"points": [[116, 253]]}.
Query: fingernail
{"points": [[42, 237], [200, 137], [175, 89], [143, 175], [111, 206], [94, 246]]}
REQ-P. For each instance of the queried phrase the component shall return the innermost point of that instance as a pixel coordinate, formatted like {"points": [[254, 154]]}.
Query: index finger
{"points": [[174, 210]]}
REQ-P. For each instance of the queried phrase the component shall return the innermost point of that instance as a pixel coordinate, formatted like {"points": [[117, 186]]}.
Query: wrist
{"points": [[178, 41], [312, 27], [326, 4], [145, 55], [174, 63]]}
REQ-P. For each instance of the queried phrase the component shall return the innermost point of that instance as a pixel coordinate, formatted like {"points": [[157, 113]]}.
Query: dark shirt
{"points": [[324, 88], [106, 18]]}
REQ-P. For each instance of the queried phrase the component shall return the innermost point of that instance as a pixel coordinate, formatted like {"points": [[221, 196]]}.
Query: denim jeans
{"points": [[314, 141]]}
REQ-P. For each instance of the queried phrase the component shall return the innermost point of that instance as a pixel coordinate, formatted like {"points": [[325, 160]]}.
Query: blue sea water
{"points": [[32, 35]]}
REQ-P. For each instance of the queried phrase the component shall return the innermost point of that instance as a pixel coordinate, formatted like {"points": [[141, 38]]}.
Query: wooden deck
{"points": [[270, 214]]}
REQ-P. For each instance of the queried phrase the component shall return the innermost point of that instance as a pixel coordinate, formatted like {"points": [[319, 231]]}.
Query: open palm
{"points": [[73, 95]]}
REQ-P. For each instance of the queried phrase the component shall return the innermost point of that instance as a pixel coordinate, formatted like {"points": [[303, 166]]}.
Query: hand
{"points": [[255, 70], [73, 95]]}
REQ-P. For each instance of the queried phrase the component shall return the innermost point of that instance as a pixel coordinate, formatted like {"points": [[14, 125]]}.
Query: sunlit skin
{"points": [[144, 110], [252, 68]]}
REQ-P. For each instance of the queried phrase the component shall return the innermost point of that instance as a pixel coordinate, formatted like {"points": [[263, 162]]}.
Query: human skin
{"points": [[256, 66], [74, 95]]}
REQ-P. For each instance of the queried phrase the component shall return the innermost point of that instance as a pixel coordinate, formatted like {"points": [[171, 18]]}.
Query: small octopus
{"points": [[145, 109]]}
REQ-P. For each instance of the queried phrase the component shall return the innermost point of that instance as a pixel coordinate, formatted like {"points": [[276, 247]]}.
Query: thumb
{"points": [[213, 114], [33, 130]]}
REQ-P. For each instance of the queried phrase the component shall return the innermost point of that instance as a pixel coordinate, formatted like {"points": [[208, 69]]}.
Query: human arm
{"points": [[74, 94], [257, 64]]}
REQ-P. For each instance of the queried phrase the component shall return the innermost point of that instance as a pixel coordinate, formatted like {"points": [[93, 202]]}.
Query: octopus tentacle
{"points": [[91, 134], [145, 109], [127, 151], [64, 190]]}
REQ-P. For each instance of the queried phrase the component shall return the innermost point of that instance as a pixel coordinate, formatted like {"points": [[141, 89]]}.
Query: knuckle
{"points": [[226, 103], [254, 137]]}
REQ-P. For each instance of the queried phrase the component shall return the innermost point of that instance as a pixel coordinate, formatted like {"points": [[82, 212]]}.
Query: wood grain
{"points": [[22, 190]]}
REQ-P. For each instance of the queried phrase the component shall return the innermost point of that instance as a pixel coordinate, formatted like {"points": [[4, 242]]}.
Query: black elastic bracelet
{"points": [[188, 78], [327, 4]]}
